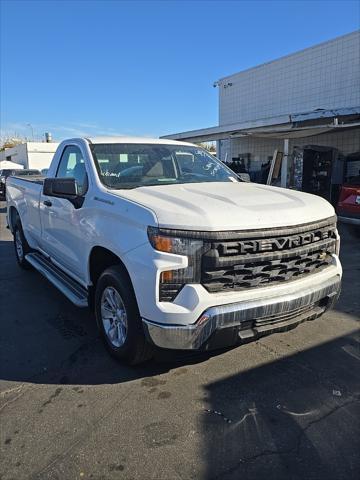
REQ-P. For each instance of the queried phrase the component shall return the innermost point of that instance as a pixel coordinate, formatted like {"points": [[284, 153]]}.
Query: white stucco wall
{"points": [[36, 155], [324, 76]]}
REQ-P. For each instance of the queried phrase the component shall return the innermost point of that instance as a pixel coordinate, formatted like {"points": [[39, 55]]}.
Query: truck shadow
{"points": [[294, 417], [45, 339]]}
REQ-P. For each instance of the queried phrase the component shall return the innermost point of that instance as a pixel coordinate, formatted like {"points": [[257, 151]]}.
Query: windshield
{"points": [[124, 165]]}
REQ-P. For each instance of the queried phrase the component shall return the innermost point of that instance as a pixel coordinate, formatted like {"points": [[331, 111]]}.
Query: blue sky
{"points": [[142, 68]]}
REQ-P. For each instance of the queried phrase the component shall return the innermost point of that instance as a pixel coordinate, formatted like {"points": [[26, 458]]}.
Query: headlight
{"points": [[2, 179], [172, 281]]}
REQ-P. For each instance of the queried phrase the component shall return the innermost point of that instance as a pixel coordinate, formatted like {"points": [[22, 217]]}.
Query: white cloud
{"points": [[62, 131]]}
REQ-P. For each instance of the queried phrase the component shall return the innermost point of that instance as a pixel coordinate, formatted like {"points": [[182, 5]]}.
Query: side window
{"points": [[72, 165]]}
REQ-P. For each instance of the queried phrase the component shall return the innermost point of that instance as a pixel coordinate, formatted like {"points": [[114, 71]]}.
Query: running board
{"points": [[76, 293]]}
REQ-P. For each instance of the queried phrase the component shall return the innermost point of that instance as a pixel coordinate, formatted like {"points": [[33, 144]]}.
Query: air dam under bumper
{"points": [[242, 321]]}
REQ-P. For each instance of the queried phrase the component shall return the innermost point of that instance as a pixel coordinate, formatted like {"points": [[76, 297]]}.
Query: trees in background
{"points": [[9, 142], [209, 146]]}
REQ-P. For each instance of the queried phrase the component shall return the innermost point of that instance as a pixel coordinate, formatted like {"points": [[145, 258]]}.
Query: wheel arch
{"points": [[100, 259], [13, 216]]}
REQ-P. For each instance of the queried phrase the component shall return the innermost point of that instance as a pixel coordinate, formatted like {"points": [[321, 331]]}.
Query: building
{"points": [[36, 155], [305, 105]]}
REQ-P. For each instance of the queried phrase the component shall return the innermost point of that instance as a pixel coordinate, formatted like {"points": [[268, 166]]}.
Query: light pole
{"points": [[32, 130]]}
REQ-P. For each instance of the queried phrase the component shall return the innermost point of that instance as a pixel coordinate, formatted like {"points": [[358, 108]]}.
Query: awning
{"points": [[283, 126], [299, 132]]}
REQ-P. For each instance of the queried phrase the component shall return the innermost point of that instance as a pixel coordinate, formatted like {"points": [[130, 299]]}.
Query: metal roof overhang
{"points": [[284, 126]]}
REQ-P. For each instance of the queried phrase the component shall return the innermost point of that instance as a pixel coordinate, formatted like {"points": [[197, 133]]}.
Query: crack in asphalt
{"points": [[13, 389], [293, 450], [21, 391]]}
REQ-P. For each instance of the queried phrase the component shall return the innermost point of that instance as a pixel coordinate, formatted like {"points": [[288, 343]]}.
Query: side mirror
{"points": [[61, 187]]}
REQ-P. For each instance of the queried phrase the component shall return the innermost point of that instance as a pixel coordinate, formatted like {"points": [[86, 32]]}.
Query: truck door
{"points": [[62, 232]]}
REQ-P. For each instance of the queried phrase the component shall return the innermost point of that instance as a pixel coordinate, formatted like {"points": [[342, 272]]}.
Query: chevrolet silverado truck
{"points": [[170, 248]]}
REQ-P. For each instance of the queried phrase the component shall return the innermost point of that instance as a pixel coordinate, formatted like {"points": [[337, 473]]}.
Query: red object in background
{"points": [[348, 208]]}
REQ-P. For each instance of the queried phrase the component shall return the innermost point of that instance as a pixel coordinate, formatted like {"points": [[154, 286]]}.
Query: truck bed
{"points": [[39, 179], [24, 193]]}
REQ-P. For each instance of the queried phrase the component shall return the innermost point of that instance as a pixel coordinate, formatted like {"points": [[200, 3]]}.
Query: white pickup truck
{"points": [[170, 248]]}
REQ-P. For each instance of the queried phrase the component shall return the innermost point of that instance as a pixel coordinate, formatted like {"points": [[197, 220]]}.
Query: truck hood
{"points": [[228, 206]]}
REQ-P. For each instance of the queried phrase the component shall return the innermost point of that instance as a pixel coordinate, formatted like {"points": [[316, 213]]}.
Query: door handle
{"points": [[47, 203]]}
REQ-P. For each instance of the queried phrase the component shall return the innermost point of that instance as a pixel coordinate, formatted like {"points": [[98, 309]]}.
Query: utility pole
{"points": [[32, 130]]}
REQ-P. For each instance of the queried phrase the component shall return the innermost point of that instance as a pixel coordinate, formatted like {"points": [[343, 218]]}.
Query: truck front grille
{"points": [[253, 259]]}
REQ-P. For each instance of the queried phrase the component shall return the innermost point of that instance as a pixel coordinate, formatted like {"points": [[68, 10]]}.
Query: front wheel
{"points": [[118, 317]]}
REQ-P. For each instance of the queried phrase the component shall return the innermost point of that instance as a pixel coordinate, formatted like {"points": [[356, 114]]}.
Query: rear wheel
{"points": [[22, 247], [118, 317]]}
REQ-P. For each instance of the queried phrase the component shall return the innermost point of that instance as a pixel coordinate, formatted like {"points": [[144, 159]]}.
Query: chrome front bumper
{"points": [[249, 319]]}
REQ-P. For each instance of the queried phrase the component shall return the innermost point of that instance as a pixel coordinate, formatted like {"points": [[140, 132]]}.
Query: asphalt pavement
{"points": [[284, 407]]}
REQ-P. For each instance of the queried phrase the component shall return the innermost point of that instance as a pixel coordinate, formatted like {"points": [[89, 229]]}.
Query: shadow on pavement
{"points": [[297, 417], [349, 301], [45, 339], [294, 418]]}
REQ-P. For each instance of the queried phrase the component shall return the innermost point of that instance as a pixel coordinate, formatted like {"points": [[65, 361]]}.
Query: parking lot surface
{"points": [[284, 407]]}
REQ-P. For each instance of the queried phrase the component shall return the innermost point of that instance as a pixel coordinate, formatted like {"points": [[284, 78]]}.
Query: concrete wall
{"points": [[324, 76], [17, 154]]}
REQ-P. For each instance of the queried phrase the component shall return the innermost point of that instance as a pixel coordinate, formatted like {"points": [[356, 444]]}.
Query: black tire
{"points": [[135, 348], [19, 236]]}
